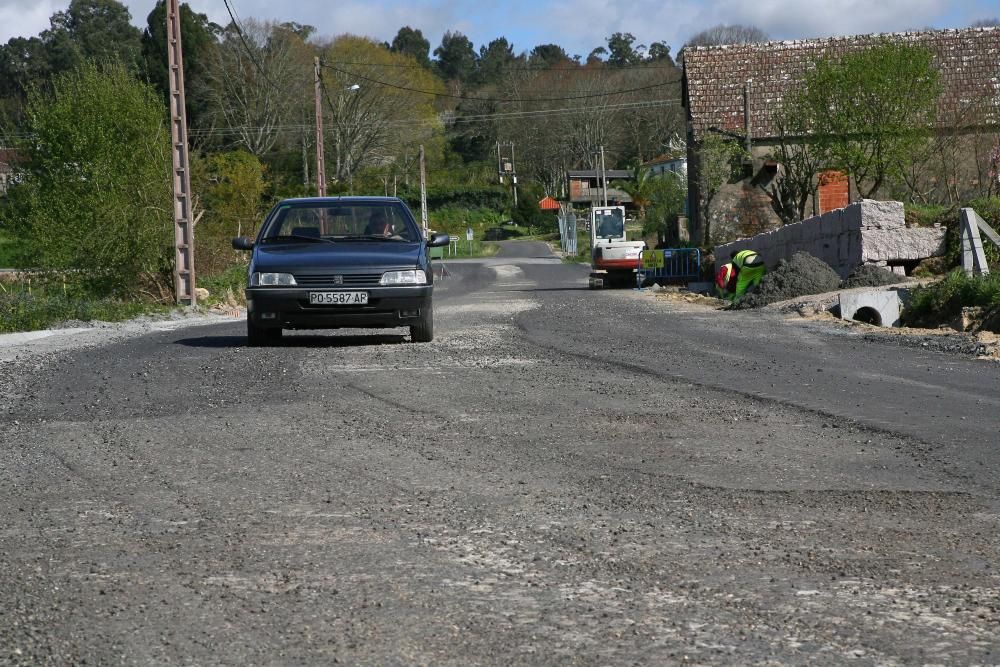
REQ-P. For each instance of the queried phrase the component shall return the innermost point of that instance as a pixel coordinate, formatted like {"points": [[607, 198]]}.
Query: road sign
{"points": [[652, 259]]}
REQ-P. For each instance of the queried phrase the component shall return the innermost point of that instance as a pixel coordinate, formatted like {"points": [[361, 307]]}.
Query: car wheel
{"points": [[259, 337], [423, 330]]}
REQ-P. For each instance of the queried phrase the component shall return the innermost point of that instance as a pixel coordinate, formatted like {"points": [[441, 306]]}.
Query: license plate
{"points": [[338, 298]]}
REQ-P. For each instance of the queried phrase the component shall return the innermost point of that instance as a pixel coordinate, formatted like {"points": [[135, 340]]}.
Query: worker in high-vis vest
{"points": [[750, 271], [725, 281]]}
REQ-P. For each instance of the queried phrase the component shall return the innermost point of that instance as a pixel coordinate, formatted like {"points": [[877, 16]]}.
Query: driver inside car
{"points": [[379, 225]]}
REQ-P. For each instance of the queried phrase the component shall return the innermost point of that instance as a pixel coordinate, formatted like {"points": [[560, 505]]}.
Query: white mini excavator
{"points": [[613, 258]]}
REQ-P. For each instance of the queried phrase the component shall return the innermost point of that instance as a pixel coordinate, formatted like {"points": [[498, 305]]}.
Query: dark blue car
{"points": [[332, 262]]}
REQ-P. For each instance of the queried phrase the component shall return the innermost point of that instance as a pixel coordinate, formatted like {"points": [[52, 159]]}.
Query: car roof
{"points": [[342, 200]]}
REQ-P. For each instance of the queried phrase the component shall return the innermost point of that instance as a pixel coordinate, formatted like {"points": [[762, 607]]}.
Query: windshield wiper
{"points": [[373, 237], [297, 237]]}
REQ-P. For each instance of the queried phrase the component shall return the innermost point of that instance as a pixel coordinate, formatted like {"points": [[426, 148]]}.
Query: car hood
{"points": [[346, 255]]}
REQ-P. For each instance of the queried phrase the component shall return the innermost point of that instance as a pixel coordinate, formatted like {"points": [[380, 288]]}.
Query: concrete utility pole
{"points": [[505, 167], [423, 191], [604, 177], [320, 158], [499, 163], [184, 283], [513, 173]]}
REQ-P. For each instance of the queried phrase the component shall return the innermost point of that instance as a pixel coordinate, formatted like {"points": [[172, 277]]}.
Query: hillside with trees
{"points": [[251, 114]]}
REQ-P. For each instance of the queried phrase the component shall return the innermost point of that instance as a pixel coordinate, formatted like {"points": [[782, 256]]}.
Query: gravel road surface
{"points": [[563, 476]]}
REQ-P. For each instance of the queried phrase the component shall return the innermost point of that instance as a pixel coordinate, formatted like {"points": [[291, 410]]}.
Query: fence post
{"points": [[973, 255]]}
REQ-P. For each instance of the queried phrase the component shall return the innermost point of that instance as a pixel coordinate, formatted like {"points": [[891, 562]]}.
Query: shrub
{"points": [[944, 300], [24, 310], [493, 197], [93, 202]]}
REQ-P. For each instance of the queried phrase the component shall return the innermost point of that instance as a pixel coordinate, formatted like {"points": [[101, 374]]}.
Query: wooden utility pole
{"points": [[320, 159], [183, 225]]}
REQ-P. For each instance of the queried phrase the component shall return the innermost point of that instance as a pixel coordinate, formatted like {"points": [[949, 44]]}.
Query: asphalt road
{"points": [[563, 476]]}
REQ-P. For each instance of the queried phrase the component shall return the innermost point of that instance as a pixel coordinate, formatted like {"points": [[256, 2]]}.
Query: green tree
{"points": [[86, 30], [667, 194], [93, 29], [199, 38], [800, 162], [869, 111], [494, 59], [456, 59], [659, 51], [411, 42], [621, 53], [94, 203], [719, 161], [528, 214], [549, 55], [230, 188], [639, 188]]}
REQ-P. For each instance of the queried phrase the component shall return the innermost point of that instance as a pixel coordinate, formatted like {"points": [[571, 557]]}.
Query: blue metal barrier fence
{"points": [[668, 265]]}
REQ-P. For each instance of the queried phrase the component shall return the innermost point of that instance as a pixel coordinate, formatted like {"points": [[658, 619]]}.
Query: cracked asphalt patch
{"points": [[515, 492]]}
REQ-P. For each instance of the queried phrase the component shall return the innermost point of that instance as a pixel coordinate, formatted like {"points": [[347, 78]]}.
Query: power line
{"points": [[497, 99], [579, 68], [510, 115], [246, 45]]}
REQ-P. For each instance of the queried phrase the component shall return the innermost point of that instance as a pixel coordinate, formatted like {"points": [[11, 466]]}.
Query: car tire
{"points": [[423, 330], [260, 337]]}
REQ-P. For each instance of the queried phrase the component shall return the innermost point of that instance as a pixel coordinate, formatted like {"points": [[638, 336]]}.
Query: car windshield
{"points": [[341, 221]]}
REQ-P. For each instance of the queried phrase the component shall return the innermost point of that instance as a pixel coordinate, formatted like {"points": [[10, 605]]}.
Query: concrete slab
{"points": [[701, 287], [878, 307]]}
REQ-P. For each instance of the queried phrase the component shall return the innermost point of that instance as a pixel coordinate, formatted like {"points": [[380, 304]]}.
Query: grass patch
{"points": [[6, 251], [226, 287], [25, 309], [943, 301]]}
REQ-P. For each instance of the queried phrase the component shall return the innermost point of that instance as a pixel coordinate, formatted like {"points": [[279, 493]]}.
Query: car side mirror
{"points": [[242, 243], [438, 240]]}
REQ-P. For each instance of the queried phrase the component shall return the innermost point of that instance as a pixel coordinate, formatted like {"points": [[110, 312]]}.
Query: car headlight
{"points": [[264, 279], [410, 277]]}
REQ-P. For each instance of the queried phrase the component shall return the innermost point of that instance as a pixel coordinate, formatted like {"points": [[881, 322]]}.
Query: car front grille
{"points": [[338, 279]]}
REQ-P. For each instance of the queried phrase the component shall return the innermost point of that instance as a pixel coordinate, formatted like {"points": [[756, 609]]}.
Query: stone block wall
{"points": [[866, 232]]}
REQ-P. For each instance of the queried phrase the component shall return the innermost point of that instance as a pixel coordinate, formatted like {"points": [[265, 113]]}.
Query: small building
{"points": [[549, 204], [667, 164], [586, 187], [734, 90]]}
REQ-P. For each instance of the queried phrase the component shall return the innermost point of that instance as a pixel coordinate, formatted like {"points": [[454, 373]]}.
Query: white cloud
{"points": [[25, 18], [577, 25], [790, 19]]}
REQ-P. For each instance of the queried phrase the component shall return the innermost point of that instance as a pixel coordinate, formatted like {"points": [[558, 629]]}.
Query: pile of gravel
{"points": [[801, 275], [867, 275]]}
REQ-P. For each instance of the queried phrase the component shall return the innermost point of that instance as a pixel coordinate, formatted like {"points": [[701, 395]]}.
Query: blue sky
{"points": [[577, 25]]}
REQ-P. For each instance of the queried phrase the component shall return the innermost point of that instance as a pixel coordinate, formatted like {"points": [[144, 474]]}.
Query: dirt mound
{"points": [[801, 275], [867, 275]]}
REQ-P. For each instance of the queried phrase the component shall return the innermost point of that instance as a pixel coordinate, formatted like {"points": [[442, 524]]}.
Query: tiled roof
{"points": [[662, 159], [714, 76], [548, 204]]}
